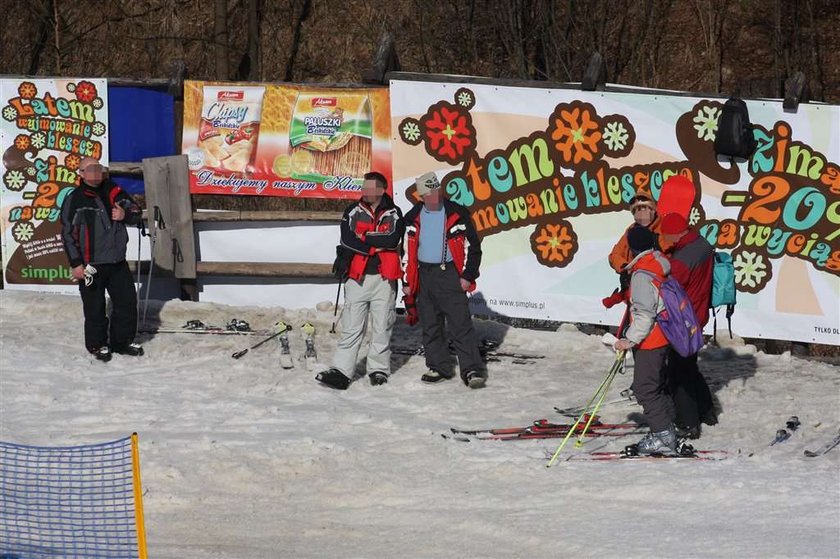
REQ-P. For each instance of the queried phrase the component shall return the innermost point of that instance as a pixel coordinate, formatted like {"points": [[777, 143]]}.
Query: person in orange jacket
{"points": [[644, 213], [648, 342]]}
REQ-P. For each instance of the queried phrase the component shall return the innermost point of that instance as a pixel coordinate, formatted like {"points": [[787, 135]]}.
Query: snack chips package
{"points": [[330, 135], [230, 125]]}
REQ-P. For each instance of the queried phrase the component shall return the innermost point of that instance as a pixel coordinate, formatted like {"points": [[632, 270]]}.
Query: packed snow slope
{"points": [[241, 459]]}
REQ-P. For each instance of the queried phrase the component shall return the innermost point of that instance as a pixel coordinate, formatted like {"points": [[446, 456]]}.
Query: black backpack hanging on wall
{"points": [[735, 133]]}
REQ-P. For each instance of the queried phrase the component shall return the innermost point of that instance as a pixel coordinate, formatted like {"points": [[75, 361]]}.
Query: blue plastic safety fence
{"points": [[71, 502]]}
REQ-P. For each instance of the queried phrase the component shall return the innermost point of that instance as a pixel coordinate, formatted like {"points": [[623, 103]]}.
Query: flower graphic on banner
{"points": [[27, 90], [98, 103], [410, 131], [85, 91], [752, 272], [448, 132], [15, 180], [554, 244], [576, 130], [98, 128], [706, 120], [23, 231], [72, 161], [22, 142]]}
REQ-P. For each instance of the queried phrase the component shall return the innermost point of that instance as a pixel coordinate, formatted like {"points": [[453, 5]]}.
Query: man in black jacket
{"points": [[443, 257], [93, 220], [372, 229]]}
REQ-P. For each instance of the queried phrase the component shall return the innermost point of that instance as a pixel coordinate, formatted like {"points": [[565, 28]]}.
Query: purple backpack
{"points": [[677, 320]]}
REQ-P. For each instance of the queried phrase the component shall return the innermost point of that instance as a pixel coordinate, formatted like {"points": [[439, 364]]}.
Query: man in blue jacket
{"points": [[93, 220]]}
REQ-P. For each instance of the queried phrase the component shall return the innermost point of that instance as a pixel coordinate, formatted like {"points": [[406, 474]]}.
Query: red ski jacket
{"points": [[461, 240]]}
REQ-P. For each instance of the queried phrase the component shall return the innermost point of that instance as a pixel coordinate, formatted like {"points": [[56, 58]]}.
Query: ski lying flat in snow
{"points": [[234, 327], [488, 348], [215, 331], [824, 448], [544, 429], [545, 424], [576, 411], [685, 452]]}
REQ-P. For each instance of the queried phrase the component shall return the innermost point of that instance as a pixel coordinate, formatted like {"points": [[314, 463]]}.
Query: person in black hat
{"points": [[648, 342]]}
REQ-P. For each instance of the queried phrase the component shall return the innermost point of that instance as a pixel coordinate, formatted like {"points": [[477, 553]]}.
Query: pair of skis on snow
{"points": [[545, 429], [234, 326], [489, 350], [282, 330]]}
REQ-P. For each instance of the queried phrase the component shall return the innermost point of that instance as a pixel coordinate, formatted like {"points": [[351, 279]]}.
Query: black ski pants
{"points": [[442, 304], [688, 388], [649, 387], [116, 279]]}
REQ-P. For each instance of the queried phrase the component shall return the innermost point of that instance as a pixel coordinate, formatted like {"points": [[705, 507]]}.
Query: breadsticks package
{"points": [[230, 126], [330, 135]]}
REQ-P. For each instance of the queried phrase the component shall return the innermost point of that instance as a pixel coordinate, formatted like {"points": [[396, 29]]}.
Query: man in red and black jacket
{"points": [[692, 265], [372, 229], [95, 238], [443, 255]]}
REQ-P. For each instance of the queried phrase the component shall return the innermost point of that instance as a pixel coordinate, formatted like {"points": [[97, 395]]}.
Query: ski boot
{"points": [[310, 356], [662, 443], [286, 361]]}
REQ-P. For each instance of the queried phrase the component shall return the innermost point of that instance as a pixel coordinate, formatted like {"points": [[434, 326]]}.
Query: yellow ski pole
{"points": [[586, 408], [619, 363]]}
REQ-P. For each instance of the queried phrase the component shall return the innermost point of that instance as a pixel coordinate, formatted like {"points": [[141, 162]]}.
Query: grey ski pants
{"points": [[374, 297]]}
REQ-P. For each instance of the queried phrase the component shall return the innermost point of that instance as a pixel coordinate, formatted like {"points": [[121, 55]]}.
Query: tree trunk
{"points": [[254, 73], [220, 39]]}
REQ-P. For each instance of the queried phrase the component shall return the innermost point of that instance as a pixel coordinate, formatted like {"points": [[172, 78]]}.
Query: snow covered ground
{"points": [[241, 459]]}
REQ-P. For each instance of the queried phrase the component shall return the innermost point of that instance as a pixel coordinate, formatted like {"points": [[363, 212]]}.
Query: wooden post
{"points": [[176, 90], [386, 60]]}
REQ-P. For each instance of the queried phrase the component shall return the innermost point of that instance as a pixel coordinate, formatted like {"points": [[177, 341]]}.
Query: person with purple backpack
{"points": [[646, 338]]}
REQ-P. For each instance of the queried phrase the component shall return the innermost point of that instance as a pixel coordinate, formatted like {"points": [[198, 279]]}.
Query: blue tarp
{"points": [[142, 123]]}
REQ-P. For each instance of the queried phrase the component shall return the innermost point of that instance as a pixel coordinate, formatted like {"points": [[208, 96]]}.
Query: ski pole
{"points": [[607, 379], [619, 363], [239, 354], [335, 310], [141, 232], [158, 224]]}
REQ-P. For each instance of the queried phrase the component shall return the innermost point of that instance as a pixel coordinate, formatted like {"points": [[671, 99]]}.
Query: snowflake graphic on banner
{"points": [[23, 231], [707, 123], [615, 136]]}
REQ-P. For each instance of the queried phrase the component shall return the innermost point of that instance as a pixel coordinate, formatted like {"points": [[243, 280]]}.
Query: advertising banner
{"points": [[548, 176], [47, 127], [284, 140]]}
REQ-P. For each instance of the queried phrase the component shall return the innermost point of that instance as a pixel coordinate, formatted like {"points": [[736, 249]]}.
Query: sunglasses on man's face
{"points": [[640, 208]]}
